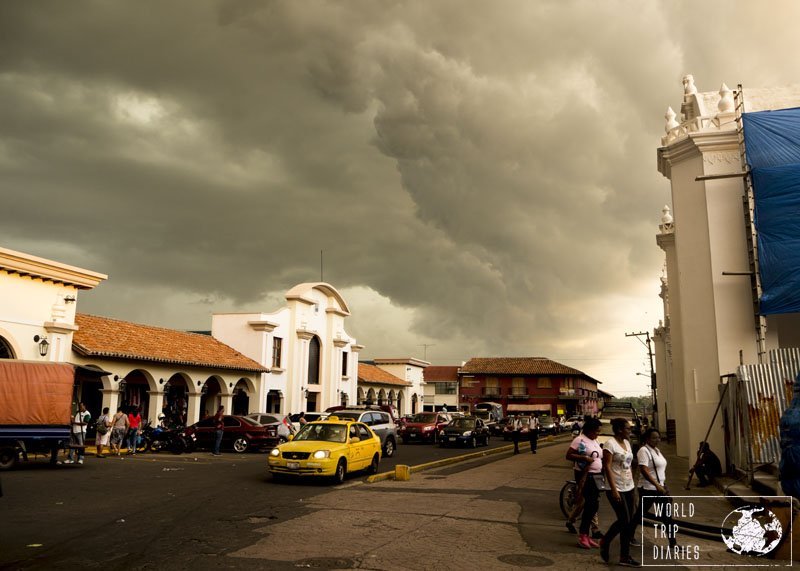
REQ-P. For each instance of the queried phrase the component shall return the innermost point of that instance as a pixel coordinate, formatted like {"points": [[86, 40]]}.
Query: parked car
{"points": [[309, 416], [508, 428], [469, 431], [547, 425], [424, 427], [495, 409], [487, 417], [281, 422], [239, 434], [379, 422], [387, 408], [327, 448]]}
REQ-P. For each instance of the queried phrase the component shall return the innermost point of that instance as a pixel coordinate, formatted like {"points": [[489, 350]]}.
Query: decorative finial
{"points": [[725, 104], [688, 85], [666, 217], [671, 122]]}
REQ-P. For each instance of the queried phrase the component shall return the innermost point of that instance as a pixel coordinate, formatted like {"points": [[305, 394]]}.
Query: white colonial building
{"points": [[709, 321], [313, 362]]}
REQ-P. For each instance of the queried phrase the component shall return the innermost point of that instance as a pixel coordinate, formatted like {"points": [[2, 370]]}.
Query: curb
{"points": [[543, 443]]}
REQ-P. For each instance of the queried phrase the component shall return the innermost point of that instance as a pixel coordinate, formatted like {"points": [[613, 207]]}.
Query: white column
{"points": [[155, 406]]}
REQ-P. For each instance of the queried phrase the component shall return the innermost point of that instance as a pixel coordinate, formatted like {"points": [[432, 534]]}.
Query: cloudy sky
{"points": [[480, 175]]}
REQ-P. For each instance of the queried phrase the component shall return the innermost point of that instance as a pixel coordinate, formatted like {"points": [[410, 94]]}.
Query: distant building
{"points": [[528, 384], [377, 386], [441, 388]]}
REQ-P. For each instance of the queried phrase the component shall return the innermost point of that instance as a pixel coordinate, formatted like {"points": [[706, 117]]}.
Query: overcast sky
{"points": [[480, 175]]}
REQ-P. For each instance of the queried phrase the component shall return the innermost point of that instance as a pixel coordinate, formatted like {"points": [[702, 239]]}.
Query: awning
{"points": [[528, 407]]}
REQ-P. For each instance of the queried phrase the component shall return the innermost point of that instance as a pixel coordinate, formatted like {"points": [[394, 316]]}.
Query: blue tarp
{"points": [[772, 140]]}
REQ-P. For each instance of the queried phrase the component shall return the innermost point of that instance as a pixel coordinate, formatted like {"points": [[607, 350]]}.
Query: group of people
{"points": [[533, 433], [114, 431], [609, 468]]}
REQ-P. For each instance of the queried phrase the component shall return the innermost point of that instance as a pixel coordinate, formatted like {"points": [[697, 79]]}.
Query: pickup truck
{"points": [[36, 406]]}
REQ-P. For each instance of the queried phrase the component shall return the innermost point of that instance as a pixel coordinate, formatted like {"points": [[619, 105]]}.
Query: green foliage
{"points": [[640, 403]]}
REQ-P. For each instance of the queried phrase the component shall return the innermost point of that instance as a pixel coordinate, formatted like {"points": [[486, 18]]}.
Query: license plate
{"points": [[412, 435], [293, 465], [452, 439]]}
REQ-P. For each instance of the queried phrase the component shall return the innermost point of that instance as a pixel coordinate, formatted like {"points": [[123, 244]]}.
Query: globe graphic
{"points": [[754, 530]]}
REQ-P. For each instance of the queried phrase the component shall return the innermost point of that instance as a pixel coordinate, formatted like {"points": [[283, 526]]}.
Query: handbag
{"points": [[600, 482]]}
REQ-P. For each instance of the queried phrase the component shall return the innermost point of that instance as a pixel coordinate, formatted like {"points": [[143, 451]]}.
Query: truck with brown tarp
{"points": [[36, 406]]}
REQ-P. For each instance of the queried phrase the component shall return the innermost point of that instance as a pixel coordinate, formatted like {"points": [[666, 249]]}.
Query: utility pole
{"points": [[648, 343], [425, 349]]}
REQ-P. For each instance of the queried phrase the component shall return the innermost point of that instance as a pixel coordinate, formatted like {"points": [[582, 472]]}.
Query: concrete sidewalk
{"points": [[497, 515]]}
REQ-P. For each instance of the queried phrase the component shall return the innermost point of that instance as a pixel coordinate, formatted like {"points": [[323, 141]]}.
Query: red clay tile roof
{"points": [[439, 374], [112, 338], [519, 366], [376, 375]]}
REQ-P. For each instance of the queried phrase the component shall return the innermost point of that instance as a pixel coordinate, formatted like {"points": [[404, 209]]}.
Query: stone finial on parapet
{"points": [[688, 86], [671, 122], [667, 223], [725, 104]]}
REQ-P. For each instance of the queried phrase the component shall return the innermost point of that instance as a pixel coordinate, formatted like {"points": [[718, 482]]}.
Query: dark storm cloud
{"points": [[488, 167]]}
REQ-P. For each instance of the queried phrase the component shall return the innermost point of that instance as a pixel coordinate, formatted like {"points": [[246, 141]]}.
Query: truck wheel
{"points": [[8, 457]]}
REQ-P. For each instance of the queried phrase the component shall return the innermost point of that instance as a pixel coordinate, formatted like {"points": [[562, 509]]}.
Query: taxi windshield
{"points": [[323, 432]]}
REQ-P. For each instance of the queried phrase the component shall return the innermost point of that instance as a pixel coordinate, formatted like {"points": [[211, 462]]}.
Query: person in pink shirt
{"points": [[134, 422], [587, 454]]}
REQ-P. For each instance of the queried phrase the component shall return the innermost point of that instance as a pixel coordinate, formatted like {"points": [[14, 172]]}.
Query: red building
{"points": [[527, 384]]}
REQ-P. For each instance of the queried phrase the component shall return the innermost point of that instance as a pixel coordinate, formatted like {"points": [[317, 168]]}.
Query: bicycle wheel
{"points": [[566, 498]]}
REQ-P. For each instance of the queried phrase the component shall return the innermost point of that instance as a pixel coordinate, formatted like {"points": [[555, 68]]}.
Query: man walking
{"points": [[515, 432], [219, 430], [533, 433], [78, 435]]}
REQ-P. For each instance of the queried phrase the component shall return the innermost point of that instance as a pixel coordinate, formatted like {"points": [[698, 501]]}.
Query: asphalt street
{"points": [[138, 512]]}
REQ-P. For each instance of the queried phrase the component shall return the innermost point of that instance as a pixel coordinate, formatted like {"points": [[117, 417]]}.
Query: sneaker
{"points": [[592, 542], [583, 542], [629, 562], [68, 461], [571, 527], [80, 460], [635, 542]]}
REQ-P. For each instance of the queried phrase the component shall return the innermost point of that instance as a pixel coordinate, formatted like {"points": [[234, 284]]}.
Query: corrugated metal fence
{"points": [[754, 403]]}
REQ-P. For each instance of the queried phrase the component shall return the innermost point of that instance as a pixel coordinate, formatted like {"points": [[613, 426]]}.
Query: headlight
{"points": [[275, 452], [467, 433], [322, 454], [427, 428], [441, 433]]}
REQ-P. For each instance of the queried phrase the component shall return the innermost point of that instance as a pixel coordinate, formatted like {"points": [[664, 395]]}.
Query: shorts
{"points": [[102, 439], [117, 434]]}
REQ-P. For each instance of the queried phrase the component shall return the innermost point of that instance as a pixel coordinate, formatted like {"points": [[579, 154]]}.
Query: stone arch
{"points": [[391, 397], [8, 349], [360, 397], [414, 401], [314, 360], [177, 390], [382, 397], [400, 403], [242, 399], [370, 396], [211, 392], [138, 384]]}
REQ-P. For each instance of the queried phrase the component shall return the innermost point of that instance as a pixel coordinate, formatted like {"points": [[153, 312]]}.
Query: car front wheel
{"points": [[241, 444], [341, 470], [388, 448]]}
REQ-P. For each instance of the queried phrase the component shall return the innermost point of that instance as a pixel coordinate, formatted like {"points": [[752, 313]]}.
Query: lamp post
{"points": [[44, 344]]}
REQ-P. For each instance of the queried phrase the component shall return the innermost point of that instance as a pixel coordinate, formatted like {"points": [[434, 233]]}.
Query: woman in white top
{"points": [[617, 460], [103, 429], [653, 478]]}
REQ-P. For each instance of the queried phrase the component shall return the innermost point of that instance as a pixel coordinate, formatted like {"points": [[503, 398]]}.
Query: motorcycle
{"points": [[159, 438]]}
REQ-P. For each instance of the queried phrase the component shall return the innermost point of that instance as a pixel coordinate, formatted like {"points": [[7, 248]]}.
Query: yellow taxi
{"points": [[330, 447]]}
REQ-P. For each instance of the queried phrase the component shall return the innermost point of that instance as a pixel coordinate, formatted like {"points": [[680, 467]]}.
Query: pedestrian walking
{"points": [[103, 432], [119, 430], [653, 482], [134, 422], [516, 429], [617, 460], [78, 435], [301, 420], [219, 430], [533, 433], [586, 452]]}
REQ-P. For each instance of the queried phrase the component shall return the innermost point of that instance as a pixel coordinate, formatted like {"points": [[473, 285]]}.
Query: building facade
{"points": [[312, 361], [377, 386], [709, 325], [441, 388], [528, 384]]}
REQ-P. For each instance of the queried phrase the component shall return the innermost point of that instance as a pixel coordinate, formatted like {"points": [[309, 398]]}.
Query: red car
{"points": [[424, 427], [240, 434]]}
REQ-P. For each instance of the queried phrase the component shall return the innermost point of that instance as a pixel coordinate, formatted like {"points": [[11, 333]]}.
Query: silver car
{"points": [[280, 421]]}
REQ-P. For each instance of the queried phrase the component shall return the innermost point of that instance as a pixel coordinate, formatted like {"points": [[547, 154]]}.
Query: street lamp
{"points": [[44, 345]]}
